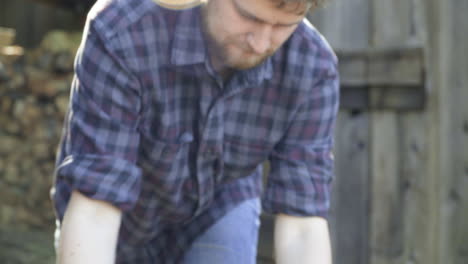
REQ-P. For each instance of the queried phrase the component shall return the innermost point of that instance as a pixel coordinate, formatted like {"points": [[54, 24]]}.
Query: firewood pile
{"points": [[34, 92]]}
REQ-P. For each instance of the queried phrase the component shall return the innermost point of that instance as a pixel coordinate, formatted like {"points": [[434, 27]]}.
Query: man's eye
{"points": [[282, 26], [252, 19]]}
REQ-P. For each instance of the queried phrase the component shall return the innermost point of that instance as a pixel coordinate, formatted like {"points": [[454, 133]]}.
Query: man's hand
{"points": [[302, 240], [89, 232]]}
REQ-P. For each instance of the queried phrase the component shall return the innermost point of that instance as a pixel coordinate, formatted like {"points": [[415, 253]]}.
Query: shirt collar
{"points": [[188, 47]]}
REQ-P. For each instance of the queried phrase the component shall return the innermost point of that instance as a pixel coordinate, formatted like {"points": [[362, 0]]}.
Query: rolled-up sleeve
{"points": [[99, 147], [301, 164]]}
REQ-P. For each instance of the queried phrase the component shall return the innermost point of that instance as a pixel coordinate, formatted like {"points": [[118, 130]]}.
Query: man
{"points": [[172, 114]]}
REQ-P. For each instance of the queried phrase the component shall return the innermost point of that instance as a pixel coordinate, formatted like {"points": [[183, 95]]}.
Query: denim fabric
{"points": [[231, 240]]}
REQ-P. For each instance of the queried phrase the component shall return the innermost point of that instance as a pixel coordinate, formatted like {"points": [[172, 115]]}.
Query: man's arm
{"points": [[302, 240], [89, 231]]}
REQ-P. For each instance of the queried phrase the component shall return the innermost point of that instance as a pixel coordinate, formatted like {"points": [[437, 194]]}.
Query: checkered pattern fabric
{"points": [[152, 129]]}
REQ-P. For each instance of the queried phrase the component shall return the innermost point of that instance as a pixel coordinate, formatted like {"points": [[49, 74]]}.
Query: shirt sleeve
{"points": [[100, 143], [301, 164]]}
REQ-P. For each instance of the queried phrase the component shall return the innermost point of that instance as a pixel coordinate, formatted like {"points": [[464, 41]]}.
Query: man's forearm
{"points": [[302, 240], [89, 232]]}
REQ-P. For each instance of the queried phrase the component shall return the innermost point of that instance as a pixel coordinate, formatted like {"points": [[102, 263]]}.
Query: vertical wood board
{"points": [[415, 192], [386, 202], [349, 212], [392, 26], [454, 131], [345, 24], [393, 23]]}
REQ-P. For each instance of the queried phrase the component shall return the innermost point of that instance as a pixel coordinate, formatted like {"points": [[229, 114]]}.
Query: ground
{"points": [[36, 246], [24, 247]]}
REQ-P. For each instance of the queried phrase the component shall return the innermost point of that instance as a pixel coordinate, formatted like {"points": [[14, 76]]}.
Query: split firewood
{"points": [[7, 36], [34, 97]]}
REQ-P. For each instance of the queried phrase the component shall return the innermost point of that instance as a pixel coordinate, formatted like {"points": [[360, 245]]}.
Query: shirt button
{"points": [[210, 151], [186, 137]]}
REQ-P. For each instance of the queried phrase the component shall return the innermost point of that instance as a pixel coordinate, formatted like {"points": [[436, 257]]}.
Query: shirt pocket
{"points": [[242, 159], [168, 188]]}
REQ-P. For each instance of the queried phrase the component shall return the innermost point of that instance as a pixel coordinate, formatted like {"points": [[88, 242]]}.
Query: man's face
{"points": [[243, 33]]}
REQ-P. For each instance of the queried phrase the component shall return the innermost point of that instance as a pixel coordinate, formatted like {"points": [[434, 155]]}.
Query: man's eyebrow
{"points": [[251, 16]]}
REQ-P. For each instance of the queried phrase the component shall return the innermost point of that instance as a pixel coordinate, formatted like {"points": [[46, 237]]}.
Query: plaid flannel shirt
{"points": [[153, 130]]}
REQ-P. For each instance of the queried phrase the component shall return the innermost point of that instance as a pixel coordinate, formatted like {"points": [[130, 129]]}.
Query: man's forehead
{"points": [[269, 11], [297, 7]]}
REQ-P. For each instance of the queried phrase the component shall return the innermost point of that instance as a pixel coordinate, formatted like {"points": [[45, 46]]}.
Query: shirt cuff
{"points": [[278, 201], [109, 179]]}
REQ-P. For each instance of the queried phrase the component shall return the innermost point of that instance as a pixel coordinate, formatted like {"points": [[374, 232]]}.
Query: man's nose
{"points": [[260, 38]]}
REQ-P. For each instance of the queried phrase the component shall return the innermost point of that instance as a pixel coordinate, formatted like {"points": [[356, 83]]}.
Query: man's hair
{"points": [[299, 5]]}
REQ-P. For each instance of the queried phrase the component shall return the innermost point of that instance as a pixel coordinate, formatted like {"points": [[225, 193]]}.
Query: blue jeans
{"points": [[231, 240]]}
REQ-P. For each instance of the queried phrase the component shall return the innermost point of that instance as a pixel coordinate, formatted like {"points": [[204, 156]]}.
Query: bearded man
{"points": [[172, 114]]}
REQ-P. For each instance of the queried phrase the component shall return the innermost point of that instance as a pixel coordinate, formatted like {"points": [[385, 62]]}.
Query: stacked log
{"points": [[34, 92]]}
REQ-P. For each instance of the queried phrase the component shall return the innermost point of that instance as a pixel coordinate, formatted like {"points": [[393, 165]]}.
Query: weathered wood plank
{"points": [[382, 67], [393, 23], [399, 66], [392, 27], [453, 111], [386, 218], [382, 79], [447, 31], [414, 186], [353, 68], [390, 98], [349, 210], [354, 98], [397, 98], [346, 25]]}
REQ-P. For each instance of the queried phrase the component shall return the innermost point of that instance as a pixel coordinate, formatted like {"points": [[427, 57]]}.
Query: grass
{"points": [[24, 247]]}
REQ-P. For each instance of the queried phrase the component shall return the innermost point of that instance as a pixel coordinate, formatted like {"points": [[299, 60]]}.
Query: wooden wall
{"points": [[402, 175], [447, 35], [346, 25]]}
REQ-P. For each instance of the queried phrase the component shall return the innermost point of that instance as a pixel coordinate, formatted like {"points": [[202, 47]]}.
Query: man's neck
{"points": [[221, 69]]}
